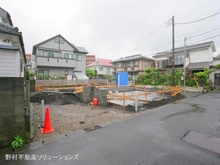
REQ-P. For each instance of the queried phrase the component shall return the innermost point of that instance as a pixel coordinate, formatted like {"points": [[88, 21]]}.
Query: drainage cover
{"points": [[203, 140], [92, 128]]}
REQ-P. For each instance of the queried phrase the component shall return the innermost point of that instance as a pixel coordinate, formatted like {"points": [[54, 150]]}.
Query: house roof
{"points": [[199, 65], [76, 48], [9, 29], [105, 62], [132, 57], [81, 49], [101, 61], [7, 15], [189, 47]]}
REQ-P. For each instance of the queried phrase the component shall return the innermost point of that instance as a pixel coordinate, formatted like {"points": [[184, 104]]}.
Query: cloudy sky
{"points": [[115, 28]]}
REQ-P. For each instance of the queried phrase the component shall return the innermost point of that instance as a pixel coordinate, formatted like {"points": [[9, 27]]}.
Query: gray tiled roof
{"points": [[133, 57], [9, 29], [188, 47], [199, 65], [81, 49]]}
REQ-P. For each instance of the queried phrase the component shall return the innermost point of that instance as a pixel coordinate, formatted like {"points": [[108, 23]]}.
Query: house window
{"points": [[45, 72], [100, 68], [59, 41], [136, 63], [48, 54], [129, 64], [108, 70], [57, 60], [78, 57], [66, 72], [66, 61], [68, 55], [117, 65], [179, 60]]}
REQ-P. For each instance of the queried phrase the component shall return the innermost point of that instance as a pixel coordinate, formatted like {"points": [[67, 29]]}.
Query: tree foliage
{"points": [[108, 76], [90, 72], [203, 77], [155, 76], [217, 65]]}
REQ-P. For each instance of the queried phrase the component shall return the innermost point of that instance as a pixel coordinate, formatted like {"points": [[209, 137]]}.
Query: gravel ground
{"points": [[68, 114], [67, 118]]}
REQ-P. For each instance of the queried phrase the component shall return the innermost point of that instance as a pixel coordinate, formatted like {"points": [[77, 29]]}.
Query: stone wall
{"points": [[12, 110]]}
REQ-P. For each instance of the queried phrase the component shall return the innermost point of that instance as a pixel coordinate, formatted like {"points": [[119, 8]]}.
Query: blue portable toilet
{"points": [[121, 78]]}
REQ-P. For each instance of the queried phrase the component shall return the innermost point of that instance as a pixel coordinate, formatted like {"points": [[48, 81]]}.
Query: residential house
{"points": [[198, 57], [215, 74], [12, 51], [102, 66], [57, 56], [90, 58], [132, 64]]}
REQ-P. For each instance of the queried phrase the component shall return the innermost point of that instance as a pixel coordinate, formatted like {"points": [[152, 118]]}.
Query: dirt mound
{"points": [[54, 98]]}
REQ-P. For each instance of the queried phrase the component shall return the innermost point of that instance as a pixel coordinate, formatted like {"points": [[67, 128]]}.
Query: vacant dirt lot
{"points": [[67, 113], [67, 118]]}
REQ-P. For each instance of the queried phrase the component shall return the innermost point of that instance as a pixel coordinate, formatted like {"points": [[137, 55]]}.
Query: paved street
{"points": [[149, 139]]}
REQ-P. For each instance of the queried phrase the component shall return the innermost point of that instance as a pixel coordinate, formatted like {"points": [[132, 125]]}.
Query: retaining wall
{"points": [[12, 110]]}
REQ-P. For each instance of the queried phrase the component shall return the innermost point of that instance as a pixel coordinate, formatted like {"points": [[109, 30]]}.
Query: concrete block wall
{"points": [[32, 85], [12, 105], [90, 92]]}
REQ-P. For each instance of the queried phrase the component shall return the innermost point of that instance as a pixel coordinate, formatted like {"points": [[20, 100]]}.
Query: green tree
{"points": [[90, 72], [217, 66], [203, 77], [108, 76], [95, 71]]}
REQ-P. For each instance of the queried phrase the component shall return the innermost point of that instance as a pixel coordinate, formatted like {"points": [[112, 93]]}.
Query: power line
{"points": [[182, 23], [206, 38], [159, 47], [204, 33]]}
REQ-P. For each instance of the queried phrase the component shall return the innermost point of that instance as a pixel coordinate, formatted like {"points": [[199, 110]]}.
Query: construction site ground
{"points": [[68, 114]]}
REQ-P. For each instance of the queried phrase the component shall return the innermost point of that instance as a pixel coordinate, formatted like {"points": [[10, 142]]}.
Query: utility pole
{"points": [[173, 59], [184, 64]]}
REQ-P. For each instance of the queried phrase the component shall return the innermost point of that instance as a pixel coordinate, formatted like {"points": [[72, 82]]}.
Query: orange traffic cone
{"points": [[47, 127]]}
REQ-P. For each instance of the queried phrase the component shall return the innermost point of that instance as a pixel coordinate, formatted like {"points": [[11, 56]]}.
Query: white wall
{"points": [[201, 55], [81, 65], [104, 71], [160, 58], [216, 62], [9, 63]]}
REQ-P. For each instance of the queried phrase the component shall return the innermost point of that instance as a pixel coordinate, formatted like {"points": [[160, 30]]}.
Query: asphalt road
{"points": [[149, 139]]}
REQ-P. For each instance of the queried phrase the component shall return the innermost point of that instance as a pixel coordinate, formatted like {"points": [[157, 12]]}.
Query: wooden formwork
{"points": [[161, 93]]}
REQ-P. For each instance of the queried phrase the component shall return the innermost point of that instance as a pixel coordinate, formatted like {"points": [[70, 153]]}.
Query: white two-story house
{"points": [[102, 66], [12, 52], [198, 57], [57, 56]]}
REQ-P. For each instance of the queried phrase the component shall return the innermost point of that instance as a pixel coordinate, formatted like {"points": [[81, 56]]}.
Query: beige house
{"points": [[134, 64]]}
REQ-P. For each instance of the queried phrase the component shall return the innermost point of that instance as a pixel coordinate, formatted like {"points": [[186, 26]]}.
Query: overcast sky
{"points": [[115, 28]]}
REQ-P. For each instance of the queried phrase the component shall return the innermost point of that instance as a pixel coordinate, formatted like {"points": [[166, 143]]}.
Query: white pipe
{"points": [[136, 103], [42, 110]]}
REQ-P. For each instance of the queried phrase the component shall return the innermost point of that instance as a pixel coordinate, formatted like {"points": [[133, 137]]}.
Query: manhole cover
{"points": [[203, 140], [92, 128]]}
